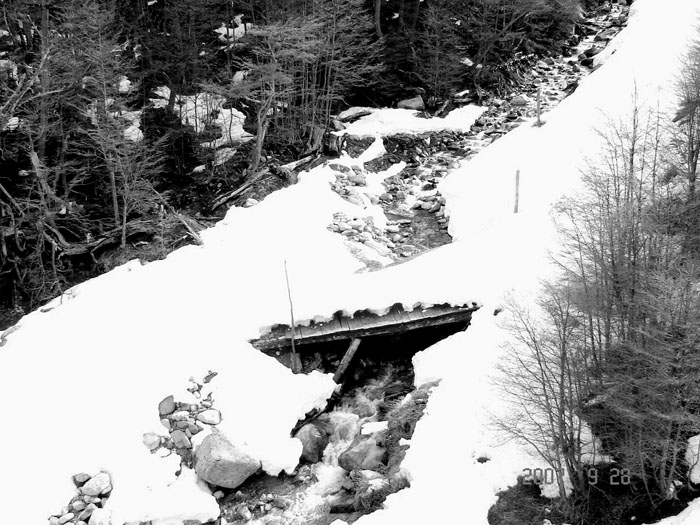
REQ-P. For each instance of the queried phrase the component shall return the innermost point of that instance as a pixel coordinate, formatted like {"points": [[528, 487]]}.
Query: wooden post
{"points": [[517, 191], [345, 362], [295, 362]]}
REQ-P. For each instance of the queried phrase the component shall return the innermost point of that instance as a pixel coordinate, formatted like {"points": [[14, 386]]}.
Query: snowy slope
{"points": [[82, 380]]}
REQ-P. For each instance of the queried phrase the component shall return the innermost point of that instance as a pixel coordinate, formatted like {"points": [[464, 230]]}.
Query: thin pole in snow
{"points": [[517, 191], [291, 312]]}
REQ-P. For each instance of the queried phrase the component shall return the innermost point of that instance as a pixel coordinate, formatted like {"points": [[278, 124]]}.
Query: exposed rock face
{"points": [[412, 103], [363, 454], [220, 463], [314, 442]]}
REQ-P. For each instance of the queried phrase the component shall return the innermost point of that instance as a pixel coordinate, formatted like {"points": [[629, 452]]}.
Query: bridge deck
{"points": [[365, 324]]}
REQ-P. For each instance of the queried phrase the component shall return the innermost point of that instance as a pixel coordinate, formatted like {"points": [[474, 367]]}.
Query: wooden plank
{"points": [[345, 362], [344, 324], [356, 323], [325, 328], [418, 313]]}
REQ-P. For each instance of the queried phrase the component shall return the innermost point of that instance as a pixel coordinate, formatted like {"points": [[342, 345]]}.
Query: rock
{"points": [[54, 520], [66, 518], [357, 224], [100, 517], [210, 417], [426, 205], [181, 415], [167, 406], [392, 228], [151, 440], [363, 454], [88, 512], [435, 207], [78, 505], [520, 100], [180, 439], [244, 512], [386, 196], [358, 179], [250, 202], [166, 423], [412, 103], [549, 61], [397, 238], [365, 236], [81, 479], [343, 226], [592, 51], [99, 484], [339, 167], [220, 463]]}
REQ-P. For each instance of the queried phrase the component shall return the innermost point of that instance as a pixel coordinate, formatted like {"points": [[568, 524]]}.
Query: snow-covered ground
{"points": [[82, 377]]}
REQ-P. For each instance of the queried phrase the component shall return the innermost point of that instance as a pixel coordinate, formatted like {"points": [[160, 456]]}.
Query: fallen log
{"points": [[223, 199]]}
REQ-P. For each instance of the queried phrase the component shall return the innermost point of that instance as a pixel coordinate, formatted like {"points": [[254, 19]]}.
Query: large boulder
{"points": [[412, 103], [219, 462], [314, 442], [99, 484], [364, 454]]}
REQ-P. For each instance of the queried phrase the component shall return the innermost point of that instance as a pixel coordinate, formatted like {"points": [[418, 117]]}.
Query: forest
{"points": [[97, 168]]}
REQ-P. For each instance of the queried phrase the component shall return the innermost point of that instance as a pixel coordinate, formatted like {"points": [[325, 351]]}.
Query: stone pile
{"points": [[183, 420], [267, 507], [92, 493], [362, 230]]}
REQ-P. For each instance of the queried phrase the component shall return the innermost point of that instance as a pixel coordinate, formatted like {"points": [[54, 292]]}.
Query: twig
{"points": [[13, 201], [291, 312]]}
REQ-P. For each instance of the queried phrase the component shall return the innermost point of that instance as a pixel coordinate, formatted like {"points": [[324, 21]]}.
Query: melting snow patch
{"points": [[383, 122]]}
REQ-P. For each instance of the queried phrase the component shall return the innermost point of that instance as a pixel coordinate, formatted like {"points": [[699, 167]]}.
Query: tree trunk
{"points": [[378, 17], [44, 111]]}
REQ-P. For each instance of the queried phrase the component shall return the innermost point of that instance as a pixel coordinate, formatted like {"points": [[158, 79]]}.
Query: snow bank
{"points": [[689, 516], [382, 122]]}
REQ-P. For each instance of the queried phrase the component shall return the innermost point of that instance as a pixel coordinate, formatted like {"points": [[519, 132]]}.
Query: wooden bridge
{"points": [[366, 324]]}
